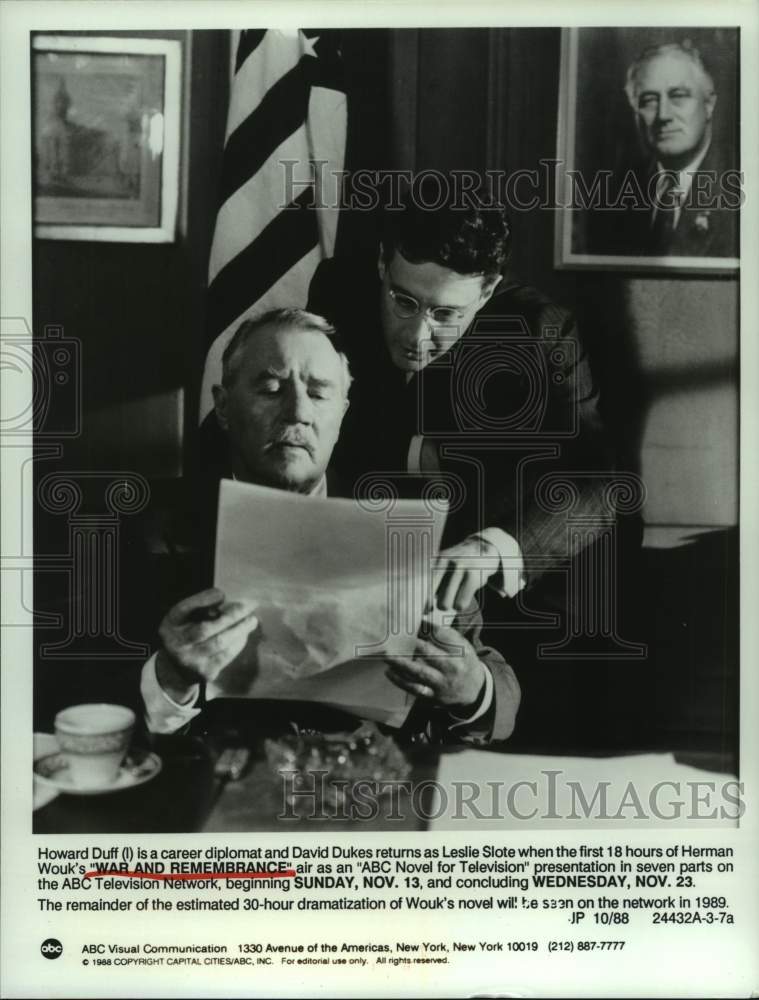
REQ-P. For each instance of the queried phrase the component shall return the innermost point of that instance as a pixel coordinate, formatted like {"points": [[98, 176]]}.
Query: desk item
{"points": [[43, 745], [333, 765], [337, 584], [55, 772], [94, 739], [232, 763]]}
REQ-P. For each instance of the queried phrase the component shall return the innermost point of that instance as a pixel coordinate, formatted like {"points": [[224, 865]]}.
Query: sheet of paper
{"points": [[336, 583]]}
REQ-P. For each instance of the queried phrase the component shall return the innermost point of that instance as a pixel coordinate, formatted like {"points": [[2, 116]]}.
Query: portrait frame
{"points": [[607, 123], [106, 137]]}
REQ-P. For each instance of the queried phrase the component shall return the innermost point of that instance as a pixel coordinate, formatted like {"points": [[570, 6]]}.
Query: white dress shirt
{"points": [[422, 459]]}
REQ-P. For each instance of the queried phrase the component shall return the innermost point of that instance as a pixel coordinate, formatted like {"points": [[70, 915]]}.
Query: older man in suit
{"points": [[280, 406], [692, 195]]}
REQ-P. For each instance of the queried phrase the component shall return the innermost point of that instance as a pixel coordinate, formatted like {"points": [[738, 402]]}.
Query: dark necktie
{"points": [[665, 217]]}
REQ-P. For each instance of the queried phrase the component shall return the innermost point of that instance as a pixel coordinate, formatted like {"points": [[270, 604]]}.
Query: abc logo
{"points": [[52, 948]]}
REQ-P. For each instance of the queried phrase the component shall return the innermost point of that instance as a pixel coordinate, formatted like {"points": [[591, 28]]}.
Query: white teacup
{"points": [[94, 739]]}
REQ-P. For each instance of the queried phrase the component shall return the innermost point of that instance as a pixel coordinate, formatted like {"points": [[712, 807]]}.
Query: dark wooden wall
{"points": [[138, 309], [665, 348], [665, 351]]}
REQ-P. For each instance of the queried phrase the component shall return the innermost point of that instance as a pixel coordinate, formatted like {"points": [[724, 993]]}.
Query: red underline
{"points": [[289, 873]]}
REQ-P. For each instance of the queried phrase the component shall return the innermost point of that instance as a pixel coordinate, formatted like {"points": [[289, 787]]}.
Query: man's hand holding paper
{"points": [[315, 596], [334, 594], [444, 669], [201, 635]]}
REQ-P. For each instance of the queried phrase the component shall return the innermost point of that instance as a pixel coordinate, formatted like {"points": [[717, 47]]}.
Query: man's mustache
{"points": [[294, 439]]}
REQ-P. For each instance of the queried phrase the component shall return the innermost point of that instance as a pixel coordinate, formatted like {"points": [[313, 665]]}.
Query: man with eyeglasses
{"points": [[464, 375]]}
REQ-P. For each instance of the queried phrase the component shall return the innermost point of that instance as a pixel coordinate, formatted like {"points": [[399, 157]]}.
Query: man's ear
{"points": [[220, 405], [709, 102], [489, 285]]}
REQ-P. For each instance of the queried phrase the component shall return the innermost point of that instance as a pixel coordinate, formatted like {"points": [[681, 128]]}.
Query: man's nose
{"points": [[417, 331], [298, 405], [664, 109]]}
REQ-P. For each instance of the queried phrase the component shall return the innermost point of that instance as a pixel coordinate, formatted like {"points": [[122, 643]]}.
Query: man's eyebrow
{"points": [[321, 383], [269, 373], [399, 288], [670, 90]]}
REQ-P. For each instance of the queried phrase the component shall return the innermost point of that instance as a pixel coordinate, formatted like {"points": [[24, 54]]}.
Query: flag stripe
{"points": [[243, 216], [249, 42], [278, 247], [290, 287], [327, 124], [287, 104], [280, 53], [281, 111]]}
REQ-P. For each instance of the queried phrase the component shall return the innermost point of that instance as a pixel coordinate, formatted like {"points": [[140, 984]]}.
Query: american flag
{"points": [[283, 154]]}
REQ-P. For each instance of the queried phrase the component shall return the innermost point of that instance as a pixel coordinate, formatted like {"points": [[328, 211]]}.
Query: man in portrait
{"points": [[688, 195]]}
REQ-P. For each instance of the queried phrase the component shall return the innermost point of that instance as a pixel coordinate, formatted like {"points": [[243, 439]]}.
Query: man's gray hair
{"points": [[685, 48], [279, 319]]}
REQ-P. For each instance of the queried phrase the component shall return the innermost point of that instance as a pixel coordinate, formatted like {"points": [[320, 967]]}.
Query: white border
{"points": [[692, 964]]}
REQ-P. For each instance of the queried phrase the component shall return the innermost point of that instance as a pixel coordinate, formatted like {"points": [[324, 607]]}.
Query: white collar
{"points": [[685, 176], [320, 490]]}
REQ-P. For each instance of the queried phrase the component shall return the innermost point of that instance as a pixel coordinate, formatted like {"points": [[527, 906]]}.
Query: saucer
{"points": [[53, 771]]}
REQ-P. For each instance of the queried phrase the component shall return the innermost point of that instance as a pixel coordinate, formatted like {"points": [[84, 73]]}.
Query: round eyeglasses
{"points": [[405, 306]]}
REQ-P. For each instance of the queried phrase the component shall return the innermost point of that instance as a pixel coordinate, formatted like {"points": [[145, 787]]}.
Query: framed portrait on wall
{"points": [[105, 137], [649, 159]]}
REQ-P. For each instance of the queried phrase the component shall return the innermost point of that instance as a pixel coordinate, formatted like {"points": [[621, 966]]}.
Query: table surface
{"points": [[188, 796]]}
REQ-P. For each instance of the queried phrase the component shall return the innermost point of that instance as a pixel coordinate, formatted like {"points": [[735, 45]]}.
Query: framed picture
{"points": [[649, 167], [106, 134]]}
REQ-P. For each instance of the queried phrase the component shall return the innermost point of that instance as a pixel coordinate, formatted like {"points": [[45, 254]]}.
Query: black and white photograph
{"points": [[375, 496], [376, 344], [649, 149]]}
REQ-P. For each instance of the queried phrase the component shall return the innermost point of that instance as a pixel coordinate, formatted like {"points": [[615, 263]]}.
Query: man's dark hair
{"points": [[437, 225]]}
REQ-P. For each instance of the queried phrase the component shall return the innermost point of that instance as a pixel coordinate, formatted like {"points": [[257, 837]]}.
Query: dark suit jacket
{"points": [[185, 532], [708, 225], [512, 408]]}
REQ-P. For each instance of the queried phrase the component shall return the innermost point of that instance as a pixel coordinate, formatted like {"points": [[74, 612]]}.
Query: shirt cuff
{"points": [[162, 713], [482, 708], [510, 579]]}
